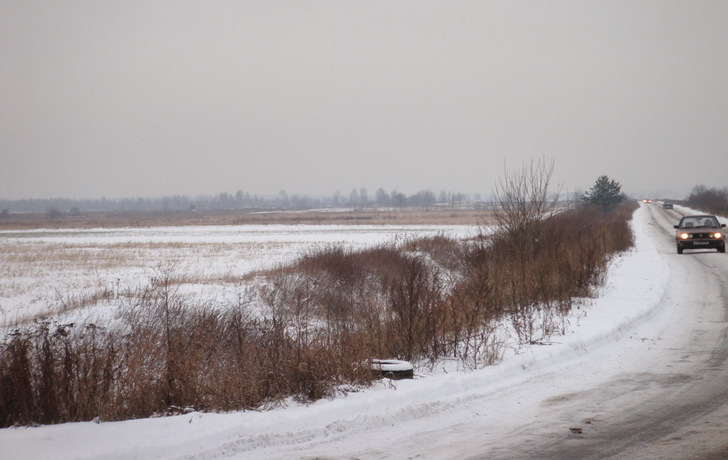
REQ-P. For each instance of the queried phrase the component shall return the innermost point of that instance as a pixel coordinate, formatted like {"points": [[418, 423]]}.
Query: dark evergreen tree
{"points": [[606, 194]]}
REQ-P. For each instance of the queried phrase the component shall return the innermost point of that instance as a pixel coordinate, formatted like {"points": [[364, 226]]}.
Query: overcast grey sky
{"points": [[151, 98]]}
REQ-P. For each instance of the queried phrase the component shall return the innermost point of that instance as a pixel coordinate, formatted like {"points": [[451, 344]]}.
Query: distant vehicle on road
{"points": [[666, 205], [699, 232]]}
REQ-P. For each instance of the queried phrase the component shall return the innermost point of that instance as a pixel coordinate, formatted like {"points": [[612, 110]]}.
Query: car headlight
{"points": [[684, 236], [717, 235]]}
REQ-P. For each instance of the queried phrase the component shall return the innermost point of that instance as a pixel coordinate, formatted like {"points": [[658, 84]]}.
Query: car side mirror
{"points": [[674, 226], [722, 225]]}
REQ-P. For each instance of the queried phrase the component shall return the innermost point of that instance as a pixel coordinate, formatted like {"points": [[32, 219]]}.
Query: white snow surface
{"points": [[41, 267], [402, 418]]}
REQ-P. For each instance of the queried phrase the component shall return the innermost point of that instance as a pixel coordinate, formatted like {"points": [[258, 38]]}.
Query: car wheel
{"points": [[679, 249], [722, 248]]}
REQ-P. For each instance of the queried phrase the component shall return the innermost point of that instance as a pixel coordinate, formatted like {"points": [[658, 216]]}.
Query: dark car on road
{"points": [[699, 232]]}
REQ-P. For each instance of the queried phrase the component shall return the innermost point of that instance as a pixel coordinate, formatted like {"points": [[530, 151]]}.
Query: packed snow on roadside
{"points": [[489, 399]]}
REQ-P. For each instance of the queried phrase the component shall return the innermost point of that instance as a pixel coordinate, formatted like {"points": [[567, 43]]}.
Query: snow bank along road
{"points": [[641, 374], [666, 398]]}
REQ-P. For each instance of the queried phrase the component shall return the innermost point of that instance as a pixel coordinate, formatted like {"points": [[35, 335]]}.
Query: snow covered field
{"points": [[43, 269], [440, 415]]}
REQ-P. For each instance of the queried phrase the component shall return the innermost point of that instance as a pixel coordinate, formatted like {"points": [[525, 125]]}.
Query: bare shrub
{"points": [[16, 390], [473, 312], [390, 297], [522, 198], [413, 295], [165, 356], [712, 200], [523, 202], [445, 251]]}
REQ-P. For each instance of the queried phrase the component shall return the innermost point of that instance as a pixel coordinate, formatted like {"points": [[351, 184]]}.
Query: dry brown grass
{"points": [[184, 218]]}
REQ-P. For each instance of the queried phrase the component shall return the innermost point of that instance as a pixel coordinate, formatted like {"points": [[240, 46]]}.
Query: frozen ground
{"points": [[639, 313], [45, 269]]}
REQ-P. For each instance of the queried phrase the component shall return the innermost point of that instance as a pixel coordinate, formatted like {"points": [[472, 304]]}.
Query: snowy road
{"points": [[668, 401], [642, 373]]}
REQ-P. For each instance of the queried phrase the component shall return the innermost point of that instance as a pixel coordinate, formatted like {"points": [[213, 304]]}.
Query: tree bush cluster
{"points": [[314, 326], [712, 200], [163, 356]]}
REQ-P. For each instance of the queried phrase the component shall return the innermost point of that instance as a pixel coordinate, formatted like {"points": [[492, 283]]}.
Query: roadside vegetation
{"points": [[606, 194], [711, 200], [309, 330]]}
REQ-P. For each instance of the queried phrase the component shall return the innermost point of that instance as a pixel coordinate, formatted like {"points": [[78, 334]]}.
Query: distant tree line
{"points": [[712, 200], [357, 198]]}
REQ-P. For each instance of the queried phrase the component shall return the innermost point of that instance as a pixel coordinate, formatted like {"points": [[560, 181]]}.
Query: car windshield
{"points": [[699, 221]]}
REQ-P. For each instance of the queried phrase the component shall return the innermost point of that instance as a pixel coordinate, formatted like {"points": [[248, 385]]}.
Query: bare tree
{"points": [[522, 198], [522, 205]]}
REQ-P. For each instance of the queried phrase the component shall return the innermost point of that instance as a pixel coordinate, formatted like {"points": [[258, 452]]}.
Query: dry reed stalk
{"points": [[201, 218]]}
